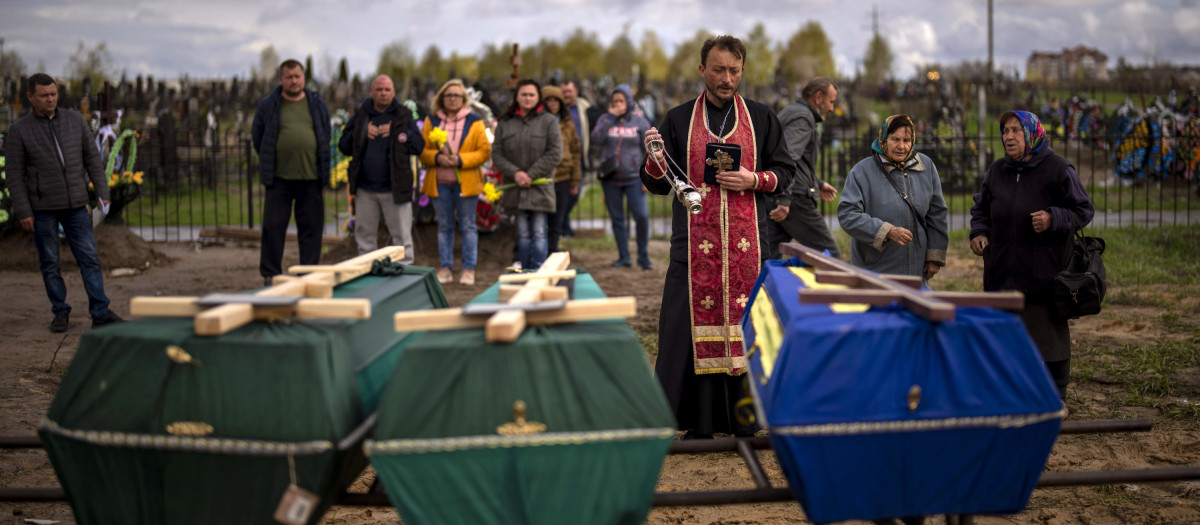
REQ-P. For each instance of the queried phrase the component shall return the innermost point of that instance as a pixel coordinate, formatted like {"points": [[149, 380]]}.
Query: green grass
{"points": [[209, 207], [1138, 256], [591, 204]]}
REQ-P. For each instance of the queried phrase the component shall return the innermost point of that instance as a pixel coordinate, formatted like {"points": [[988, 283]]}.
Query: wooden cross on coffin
{"points": [[881, 289], [538, 300], [304, 297]]}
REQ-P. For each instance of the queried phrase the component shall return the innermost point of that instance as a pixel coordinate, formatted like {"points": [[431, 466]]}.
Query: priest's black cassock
{"points": [[715, 257]]}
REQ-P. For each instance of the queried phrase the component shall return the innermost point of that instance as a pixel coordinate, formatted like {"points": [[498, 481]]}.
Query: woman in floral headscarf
{"points": [[892, 206], [1030, 203]]}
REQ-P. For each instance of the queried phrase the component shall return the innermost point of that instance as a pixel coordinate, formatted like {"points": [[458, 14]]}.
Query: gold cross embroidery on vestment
{"points": [[744, 244], [708, 302], [706, 246]]}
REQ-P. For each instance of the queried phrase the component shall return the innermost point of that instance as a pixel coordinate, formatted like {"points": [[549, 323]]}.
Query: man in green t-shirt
{"points": [[291, 135]]}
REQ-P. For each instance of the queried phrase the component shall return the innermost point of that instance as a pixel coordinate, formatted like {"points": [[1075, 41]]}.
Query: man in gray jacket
{"points": [[795, 215], [51, 158]]}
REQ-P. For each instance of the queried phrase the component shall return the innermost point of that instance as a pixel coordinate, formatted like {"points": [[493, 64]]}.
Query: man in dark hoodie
{"points": [[381, 138], [291, 135]]}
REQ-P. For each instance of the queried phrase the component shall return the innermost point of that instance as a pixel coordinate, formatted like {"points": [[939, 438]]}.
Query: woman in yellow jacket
{"points": [[456, 147]]}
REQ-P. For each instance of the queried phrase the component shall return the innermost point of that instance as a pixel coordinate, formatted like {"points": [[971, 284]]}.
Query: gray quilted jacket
{"points": [[38, 178]]}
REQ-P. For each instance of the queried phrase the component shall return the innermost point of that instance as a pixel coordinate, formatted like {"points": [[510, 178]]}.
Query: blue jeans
{"points": [[450, 207], [531, 238], [77, 226], [614, 196]]}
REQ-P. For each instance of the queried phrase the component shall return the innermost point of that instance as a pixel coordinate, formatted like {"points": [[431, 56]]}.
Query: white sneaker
{"points": [[444, 276], [516, 265]]}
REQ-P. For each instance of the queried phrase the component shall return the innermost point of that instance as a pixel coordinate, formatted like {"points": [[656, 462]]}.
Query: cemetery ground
{"points": [[1139, 358]]}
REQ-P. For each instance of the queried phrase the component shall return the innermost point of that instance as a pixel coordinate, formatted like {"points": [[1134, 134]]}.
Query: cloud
{"points": [[224, 37]]}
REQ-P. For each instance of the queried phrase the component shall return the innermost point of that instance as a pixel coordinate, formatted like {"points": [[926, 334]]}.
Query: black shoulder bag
{"points": [[1079, 288]]}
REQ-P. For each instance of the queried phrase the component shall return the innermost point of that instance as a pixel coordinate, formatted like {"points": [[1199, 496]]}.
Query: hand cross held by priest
{"points": [[715, 254]]}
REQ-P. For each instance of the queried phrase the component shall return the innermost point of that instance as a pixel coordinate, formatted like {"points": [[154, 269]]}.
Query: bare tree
{"points": [[94, 64], [11, 65]]}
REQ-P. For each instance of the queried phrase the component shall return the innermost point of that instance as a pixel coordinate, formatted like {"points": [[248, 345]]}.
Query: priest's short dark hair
{"points": [[728, 43]]}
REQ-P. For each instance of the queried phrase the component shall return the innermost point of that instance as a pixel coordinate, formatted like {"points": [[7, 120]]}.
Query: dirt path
{"points": [[33, 361]]}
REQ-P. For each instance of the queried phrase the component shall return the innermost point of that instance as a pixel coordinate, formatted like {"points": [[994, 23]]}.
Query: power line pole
{"points": [[982, 92], [990, 64]]}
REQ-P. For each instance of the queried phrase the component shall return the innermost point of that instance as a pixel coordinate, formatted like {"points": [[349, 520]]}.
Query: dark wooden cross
{"points": [[515, 60], [881, 289], [723, 161]]}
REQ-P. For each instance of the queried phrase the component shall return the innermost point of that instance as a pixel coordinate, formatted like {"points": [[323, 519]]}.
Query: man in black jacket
{"points": [[51, 158], [795, 215], [381, 139], [291, 135]]}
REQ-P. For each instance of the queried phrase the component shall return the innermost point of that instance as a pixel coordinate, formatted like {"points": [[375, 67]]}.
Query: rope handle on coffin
{"points": [[880, 289], [523, 305]]}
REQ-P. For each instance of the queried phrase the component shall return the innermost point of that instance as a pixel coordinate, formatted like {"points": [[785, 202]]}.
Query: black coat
{"points": [[399, 152], [1016, 257]]}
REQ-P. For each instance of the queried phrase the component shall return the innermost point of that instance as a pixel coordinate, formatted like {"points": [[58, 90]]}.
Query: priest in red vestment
{"points": [[716, 254]]}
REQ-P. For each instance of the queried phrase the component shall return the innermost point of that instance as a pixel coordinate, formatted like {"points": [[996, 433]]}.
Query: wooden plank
{"points": [[507, 291], [836, 277], [164, 307], [318, 285], [920, 304], [523, 277], [574, 311], [555, 292], [304, 269], [1013, 301], [848, 295], [504, 327], [333, 309], [852, 280], [527, 294], [586, 310], [905, 280], [296, 287], [556, 262], [216, 321], [928, 307], [395, 252]]}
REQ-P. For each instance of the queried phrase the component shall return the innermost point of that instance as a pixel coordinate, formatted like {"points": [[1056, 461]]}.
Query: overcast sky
{"points": [[210, 38]]}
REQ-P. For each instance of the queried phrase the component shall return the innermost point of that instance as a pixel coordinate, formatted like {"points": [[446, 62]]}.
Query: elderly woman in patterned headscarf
{"points": [[892, 206], [1030, 203]]}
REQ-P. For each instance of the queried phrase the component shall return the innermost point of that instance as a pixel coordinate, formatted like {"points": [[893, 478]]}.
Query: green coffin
{"points": [[251, 411], [375, 345], [608, 426]]}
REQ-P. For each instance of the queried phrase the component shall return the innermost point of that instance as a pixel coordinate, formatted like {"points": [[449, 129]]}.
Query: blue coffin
{"points": [[833, 385]]}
